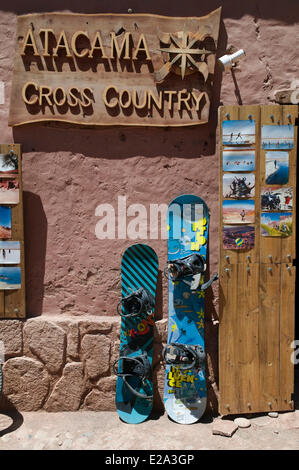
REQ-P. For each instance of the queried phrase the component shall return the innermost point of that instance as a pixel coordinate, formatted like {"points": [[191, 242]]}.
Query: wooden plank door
{"points": [[257, 289]]}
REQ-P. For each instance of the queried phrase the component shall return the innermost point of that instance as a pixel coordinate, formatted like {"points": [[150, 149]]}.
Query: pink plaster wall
{"points": [[67, 172]]}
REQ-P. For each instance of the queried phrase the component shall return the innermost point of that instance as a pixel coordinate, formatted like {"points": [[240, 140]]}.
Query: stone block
{"points": [[68, 390], [25, 383], [73, 340], [96, 355], [224, 427], [11, 335], [96, 325], [46, 341], [103, 397]]}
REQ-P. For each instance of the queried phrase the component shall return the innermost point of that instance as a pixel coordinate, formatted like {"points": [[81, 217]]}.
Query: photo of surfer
{"points": [[237, 132], [277, 167], [238, 237]]}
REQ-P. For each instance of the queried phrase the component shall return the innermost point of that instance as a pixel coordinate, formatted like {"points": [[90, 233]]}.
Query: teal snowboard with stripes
{"points": [[185, 392], [134, 395]]}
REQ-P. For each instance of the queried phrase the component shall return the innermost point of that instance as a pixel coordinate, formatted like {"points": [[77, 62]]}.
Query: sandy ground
{"points": [[5, 232], [105, 431], [89, 430]]}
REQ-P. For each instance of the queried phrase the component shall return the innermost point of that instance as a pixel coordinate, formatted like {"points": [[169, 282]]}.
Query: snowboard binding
{"points": [[140, 301], [193, 265], [179, 268], [183, 356], [138, 366]]}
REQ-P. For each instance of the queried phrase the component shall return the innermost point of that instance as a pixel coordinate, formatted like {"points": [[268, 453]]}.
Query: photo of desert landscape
{"points": [[5, 222], [238, 237], [10, 278], [10, 252], [9, 191], [238, 212], [276, 224]]}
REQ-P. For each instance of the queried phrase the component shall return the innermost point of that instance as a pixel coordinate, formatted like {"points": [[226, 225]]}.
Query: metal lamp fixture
{"points": [[228, 61]]}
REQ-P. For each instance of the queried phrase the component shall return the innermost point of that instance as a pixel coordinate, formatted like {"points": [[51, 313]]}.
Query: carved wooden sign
{"points": [[112, 69]]}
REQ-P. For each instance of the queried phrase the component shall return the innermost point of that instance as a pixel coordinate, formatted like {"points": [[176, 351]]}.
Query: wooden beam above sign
{"points": [[107, 69]]}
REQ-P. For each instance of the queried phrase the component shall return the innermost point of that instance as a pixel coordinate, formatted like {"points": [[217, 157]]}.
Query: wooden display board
{"points": [[13, 302], [257, 291]]}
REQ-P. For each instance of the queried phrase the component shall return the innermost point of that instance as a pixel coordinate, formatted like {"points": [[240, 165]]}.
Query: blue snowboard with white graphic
{"points": [[139, 268], [185, 392]]}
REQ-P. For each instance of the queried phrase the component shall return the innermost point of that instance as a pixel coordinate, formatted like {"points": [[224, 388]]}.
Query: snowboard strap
{"points": [[195, 265], [207, 284], [183, 356], [140, 301], [138, 366], [180, 268]]}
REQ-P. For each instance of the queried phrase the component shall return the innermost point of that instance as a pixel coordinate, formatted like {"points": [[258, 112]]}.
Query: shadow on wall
{"points": [[35, 234], [286, 11], [124, 142], [159, 297], [211, 344]]}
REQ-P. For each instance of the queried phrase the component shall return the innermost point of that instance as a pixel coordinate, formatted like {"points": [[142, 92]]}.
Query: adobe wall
{"points": [[73, 278]]}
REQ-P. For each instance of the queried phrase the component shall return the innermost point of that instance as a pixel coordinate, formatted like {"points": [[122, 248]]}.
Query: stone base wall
{"points": [[65, 364]]}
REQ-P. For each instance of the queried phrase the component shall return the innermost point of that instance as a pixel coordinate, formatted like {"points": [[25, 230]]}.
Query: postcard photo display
{"points": [[9, 164], [238, 237], [238, 185], [276, 224], [10, 277]]}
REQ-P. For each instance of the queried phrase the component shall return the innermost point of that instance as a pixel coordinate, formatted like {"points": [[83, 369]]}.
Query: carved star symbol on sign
{"points": [[182, 49]]}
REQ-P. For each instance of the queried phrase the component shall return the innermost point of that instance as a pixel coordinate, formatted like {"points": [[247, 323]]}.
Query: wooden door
{"points": [[257, 291]]}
